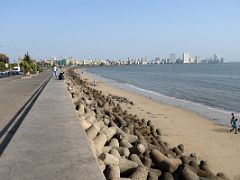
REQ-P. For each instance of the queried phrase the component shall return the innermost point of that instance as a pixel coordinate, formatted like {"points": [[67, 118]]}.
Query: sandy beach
{"points": [[211, 142]]}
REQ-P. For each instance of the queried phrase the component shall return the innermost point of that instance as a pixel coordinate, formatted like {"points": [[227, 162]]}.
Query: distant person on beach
{"points": [[55, 71], [234, 124]]}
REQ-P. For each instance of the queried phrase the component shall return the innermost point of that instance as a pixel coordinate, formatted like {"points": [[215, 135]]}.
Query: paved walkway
{"points": [[50, 143]]}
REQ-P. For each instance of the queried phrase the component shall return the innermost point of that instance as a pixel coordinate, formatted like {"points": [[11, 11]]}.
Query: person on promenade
{"points": [[55, 70], [61, 76]]}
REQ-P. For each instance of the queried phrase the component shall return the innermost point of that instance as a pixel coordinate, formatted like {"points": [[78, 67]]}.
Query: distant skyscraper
{"points": [[186, 57], [222, 60], [197, 59], [172, 58], [216, 58]]}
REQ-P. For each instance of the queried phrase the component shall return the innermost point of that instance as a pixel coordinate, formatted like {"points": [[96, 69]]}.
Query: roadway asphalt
{"points": [[14, 93]]}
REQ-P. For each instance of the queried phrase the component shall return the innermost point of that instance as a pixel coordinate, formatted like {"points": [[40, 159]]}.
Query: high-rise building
{"points": [[172, 58], [222, 60], [216, 58], [186, 57], [197, 59]]}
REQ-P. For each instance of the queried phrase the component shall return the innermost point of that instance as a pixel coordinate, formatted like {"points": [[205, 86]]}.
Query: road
{"points": [[14, 93]]}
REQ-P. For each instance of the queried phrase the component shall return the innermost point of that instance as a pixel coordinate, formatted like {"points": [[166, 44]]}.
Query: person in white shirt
{"points": [[55, 71]]}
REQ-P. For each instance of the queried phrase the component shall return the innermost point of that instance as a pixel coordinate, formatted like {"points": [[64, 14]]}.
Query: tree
{"points": [[4, 58], [29, 65], [12, 65], [2, 66], [27, 58], [33, 67], [25, 66]]}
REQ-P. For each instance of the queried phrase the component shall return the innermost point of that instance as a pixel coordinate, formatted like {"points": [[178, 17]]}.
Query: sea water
{"points": [[212, 90]]}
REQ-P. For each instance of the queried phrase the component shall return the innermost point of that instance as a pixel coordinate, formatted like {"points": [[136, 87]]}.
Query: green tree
{"points": [[27, 58], [25, 66], [33, 67], [2, 66], [12, 65], [29, 65], [4, 58]]}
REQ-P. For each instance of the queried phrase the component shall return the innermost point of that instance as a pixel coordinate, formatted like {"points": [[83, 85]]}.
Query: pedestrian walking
{"points": [[55, 71], [234, 124]]}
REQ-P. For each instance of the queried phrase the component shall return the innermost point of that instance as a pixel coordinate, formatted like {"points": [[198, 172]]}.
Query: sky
{"points": [[117, 29]]}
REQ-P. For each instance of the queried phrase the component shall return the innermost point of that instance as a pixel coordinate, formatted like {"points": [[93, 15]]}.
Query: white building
{"points": [[186, 57]]}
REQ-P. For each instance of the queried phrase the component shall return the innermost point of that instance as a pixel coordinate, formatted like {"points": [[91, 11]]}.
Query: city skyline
{"points": [[187, 58], [116, 30]]}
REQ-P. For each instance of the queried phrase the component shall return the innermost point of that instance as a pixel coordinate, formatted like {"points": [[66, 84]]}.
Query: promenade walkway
{"points": [[50, 143]]}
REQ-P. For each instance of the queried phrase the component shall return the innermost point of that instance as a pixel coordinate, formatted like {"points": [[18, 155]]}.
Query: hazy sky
{"points": [[120, 28]]}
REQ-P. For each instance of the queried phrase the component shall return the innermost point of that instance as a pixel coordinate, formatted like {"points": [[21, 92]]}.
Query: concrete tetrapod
{"points": [[106, 149], [137, 149], [203, 166], [81, 110], [94, 129], [155, 171], [115, 153], [135, 158], [200, 172], [147, 162], [109, 159], [99, 143], [113, 172], [166, 176], [152, 176], [141, 139], [126, 130], [127, 166], [177, 151], [110, 132], [114, 142], [188, 174], [125, 143], [140, 173], [101, 164], [163, 163], [130, 137], [86, 124], [123, 151]]}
